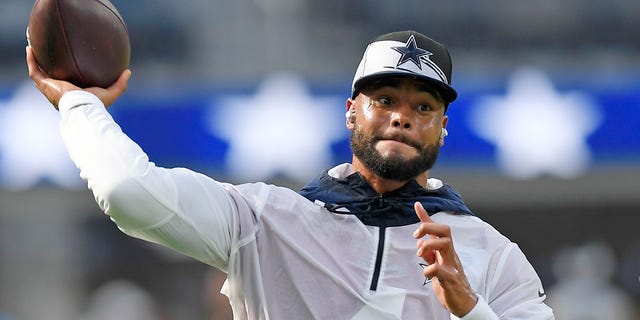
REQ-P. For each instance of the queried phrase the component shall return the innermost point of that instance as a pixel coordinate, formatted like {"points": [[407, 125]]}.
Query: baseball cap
{"points": [[406, 53]]}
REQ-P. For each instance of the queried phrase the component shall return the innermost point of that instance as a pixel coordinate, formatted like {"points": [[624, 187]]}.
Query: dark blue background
{"points": [[172, 130]]}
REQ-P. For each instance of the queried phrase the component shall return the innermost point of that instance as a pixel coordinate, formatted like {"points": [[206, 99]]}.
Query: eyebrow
{"points": [[429, 89], [384, 82]]}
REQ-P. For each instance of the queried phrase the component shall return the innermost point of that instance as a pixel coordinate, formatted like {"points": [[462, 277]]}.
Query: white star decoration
{"points": [[537, 130], [31, 148], [282, 129]]}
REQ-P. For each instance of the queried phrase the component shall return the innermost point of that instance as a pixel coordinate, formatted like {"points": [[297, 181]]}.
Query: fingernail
{"points": [[415, 233], [419, 253]]}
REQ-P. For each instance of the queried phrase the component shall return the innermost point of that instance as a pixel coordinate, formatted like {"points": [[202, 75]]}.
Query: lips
{"points": [[401, 139]]}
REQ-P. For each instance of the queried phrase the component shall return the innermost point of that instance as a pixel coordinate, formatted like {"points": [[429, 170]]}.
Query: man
{"points": [[358, 242]]}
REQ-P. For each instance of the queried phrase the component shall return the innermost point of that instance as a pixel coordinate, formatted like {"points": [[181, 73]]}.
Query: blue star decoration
{"points": [[280, 124], [23, 147], [411, 52], [555, 144], [422, 266]]}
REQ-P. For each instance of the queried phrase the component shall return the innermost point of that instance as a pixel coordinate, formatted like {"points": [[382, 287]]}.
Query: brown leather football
{"points": [[85, 42]]}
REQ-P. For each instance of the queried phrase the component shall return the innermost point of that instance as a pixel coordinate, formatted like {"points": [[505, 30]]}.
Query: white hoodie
{"points": [[285, 256]]}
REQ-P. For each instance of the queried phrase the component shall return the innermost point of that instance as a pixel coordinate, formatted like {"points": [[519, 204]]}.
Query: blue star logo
{"points": [[411, 52]]}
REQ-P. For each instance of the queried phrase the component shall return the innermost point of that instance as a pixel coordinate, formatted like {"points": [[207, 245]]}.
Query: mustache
{"points": [[399, 138]]}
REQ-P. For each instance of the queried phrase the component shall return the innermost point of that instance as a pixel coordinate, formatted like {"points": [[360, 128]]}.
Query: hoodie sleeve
{"points": [[179, 208], [514, 290], [506, 283]]}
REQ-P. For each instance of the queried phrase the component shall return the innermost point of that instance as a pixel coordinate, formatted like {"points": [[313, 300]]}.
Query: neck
{"points": [[383, 185]]}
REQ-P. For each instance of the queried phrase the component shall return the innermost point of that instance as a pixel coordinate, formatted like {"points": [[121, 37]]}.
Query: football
{"points": [[85, 42]]}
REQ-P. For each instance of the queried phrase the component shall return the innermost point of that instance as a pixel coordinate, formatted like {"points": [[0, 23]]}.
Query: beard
{"points": [[393, 167]]}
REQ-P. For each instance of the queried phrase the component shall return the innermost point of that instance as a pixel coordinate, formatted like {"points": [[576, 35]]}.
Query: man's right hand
{"points": [[54, 89]]}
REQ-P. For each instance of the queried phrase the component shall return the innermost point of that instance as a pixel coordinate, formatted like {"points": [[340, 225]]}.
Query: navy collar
{"points": [[353, 195]]}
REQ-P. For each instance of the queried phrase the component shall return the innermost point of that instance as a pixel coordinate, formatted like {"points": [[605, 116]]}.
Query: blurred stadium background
{"points": [[543, 144]]}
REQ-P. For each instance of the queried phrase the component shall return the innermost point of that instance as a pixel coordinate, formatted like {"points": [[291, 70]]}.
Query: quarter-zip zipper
{"points": [[378, 264]]}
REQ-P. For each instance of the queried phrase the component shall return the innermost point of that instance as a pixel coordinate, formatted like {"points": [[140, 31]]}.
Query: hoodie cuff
{"points": [[77, 98], [481, 311]]}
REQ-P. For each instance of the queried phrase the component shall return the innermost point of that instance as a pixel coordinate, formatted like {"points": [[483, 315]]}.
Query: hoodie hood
{"points": [[352, 194]]}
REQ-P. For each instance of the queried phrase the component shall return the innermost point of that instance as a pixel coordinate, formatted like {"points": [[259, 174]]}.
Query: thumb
{"points": [[109, 95]]}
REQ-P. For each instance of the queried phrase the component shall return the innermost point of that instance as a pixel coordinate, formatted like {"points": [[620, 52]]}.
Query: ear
{"points": [[445, 120], [350, 115]]}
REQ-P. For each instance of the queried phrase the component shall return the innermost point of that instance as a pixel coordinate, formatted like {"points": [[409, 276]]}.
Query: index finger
{"points": [[422, 214], [434, 230]]}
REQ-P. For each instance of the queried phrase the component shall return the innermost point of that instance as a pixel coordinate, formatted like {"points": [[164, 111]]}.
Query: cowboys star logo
{"points": [[426, 280], [411, 52]]}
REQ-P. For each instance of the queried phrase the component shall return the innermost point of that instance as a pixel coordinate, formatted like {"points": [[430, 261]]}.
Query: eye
{"points": [[424, 108], [385, 101]]}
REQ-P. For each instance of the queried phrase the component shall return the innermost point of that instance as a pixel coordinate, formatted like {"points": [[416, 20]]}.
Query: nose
{"points": [[400, 120]]}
